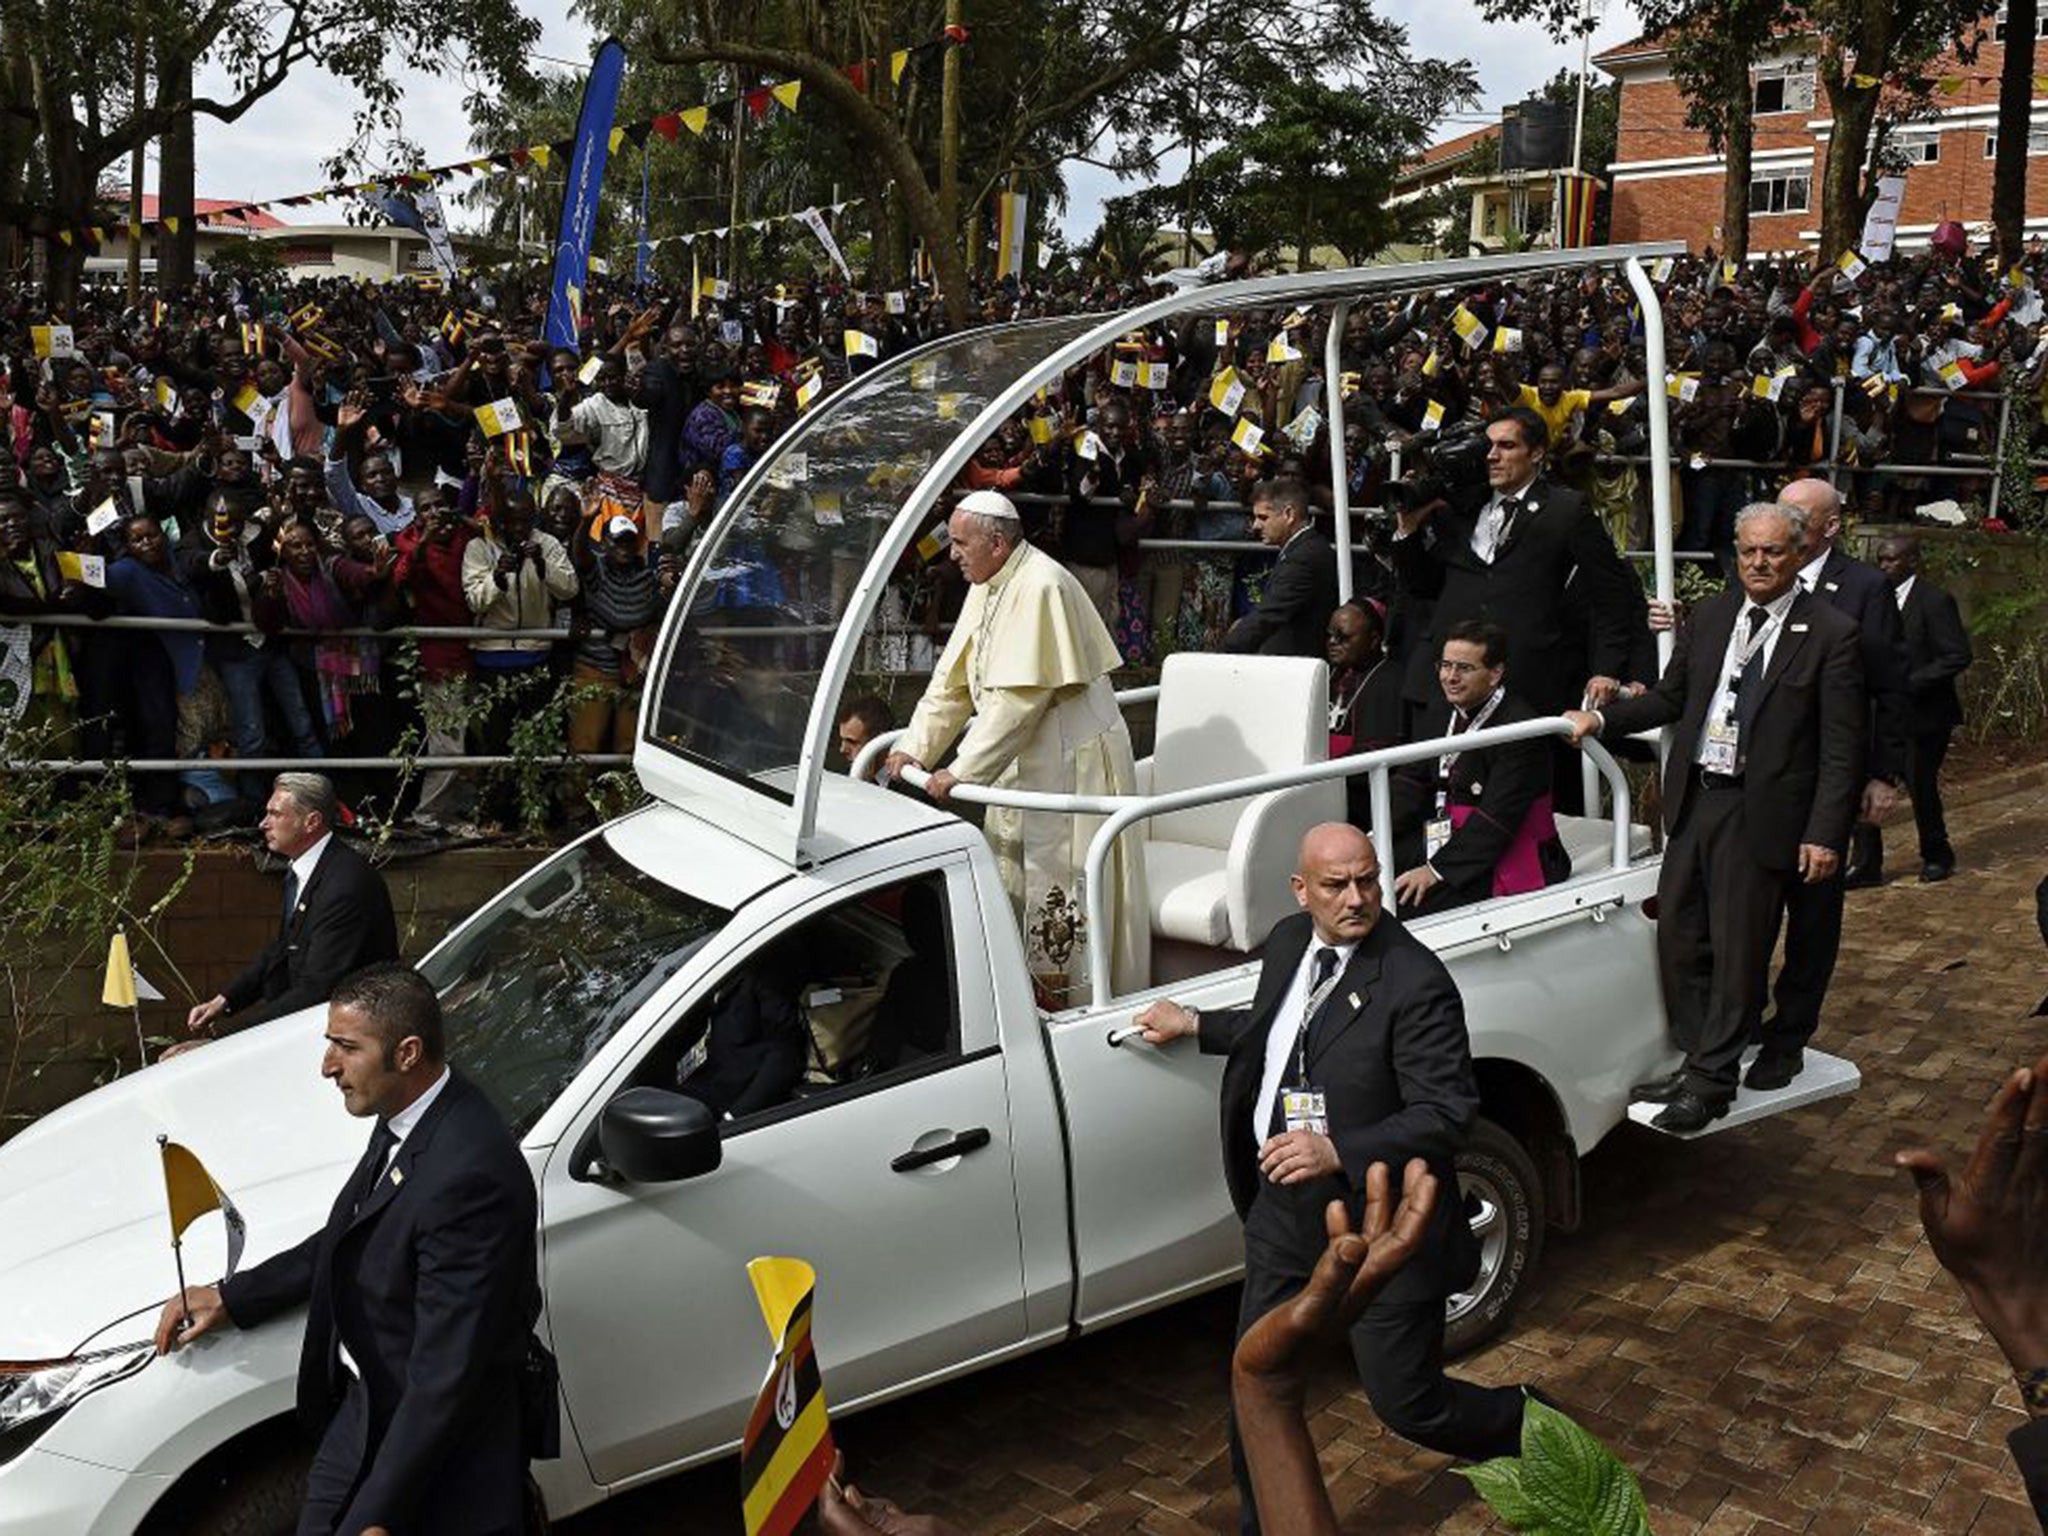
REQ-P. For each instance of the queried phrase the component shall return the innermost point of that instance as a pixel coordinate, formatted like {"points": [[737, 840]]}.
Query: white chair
{"points": [[1218, 874]]}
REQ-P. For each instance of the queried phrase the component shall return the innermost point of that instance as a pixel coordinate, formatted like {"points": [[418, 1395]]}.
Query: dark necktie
{"points": [[1749, 682], [371, 1169], [1324, 967], [291, 895]]}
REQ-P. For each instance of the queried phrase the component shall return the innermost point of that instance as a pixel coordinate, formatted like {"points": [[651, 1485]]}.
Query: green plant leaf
{"points": [[1499, 1484], [1575, 1483]]}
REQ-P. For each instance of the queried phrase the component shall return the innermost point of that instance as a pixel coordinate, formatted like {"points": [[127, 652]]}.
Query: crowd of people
{"points": [[314, 467]]}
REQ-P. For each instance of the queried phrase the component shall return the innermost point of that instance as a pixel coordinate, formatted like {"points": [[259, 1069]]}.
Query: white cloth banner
{"points": [[428, 201], [816, 220], [17, 672], [1881, 224]]}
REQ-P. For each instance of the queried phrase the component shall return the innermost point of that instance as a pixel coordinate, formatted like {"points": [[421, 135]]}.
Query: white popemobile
{"points": [[973, 1177]]}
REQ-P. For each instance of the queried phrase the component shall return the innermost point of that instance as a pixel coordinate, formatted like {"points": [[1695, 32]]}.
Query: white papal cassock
{"points": [[1030, 661]]}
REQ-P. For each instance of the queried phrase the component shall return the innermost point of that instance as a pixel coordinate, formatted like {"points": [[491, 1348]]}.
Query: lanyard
{"points": [[1448, 762], [1309, 1009], [1747, 649]]}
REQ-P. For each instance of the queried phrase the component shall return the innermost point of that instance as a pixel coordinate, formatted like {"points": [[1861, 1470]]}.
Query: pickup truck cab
{"points": [[972, 1176]]}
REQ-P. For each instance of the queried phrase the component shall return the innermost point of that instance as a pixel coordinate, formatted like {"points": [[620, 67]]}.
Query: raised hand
{"points": [[1988, 1225]]}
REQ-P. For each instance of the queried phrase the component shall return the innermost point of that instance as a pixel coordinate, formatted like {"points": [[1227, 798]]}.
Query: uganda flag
{"points": [[786, 1452]]}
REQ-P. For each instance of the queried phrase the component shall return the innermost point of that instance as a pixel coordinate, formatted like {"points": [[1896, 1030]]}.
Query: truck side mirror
{"points": [[652, 1136]]}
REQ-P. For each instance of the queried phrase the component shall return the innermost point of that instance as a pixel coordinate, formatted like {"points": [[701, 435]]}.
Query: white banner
{"points": [[428, 201], [17, 672], [816, 220], [1881, 224]]}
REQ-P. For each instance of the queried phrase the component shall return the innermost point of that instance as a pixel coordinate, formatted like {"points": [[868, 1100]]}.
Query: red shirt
{"points": [[430, 574]]}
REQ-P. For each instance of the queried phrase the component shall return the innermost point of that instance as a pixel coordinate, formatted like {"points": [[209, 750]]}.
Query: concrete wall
{"points": [[225, 913]]}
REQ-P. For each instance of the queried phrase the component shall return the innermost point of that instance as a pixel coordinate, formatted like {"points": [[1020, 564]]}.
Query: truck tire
{"points": [[1503, 1199], [259, 1497]]}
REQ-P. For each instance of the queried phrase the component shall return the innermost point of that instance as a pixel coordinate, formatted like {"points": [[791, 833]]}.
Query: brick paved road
{"points": [[1754, 1321]]}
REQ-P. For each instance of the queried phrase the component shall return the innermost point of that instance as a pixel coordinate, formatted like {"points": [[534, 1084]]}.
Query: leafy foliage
{"points": [[1565, 1482]]}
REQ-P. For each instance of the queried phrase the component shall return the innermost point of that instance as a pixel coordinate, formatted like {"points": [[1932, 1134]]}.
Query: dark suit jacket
{"points": [[1397, 1071], [1293, 618], [1803, 774], [1937, 651], [754, 1052], [433, 1284], [1500, 784], [1861, 591], [1557, 556], [342, 922]]}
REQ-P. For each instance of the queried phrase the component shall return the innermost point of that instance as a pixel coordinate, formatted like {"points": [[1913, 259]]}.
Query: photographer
{"points": [[513, 575]]}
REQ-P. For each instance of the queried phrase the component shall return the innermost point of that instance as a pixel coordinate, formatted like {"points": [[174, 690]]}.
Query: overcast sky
{"points": [[277, 148]]}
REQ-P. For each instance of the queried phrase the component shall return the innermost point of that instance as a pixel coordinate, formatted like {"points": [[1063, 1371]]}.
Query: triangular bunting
{"points": [[636, 134], [898, 62], [858, 75], [540, 154], [171, 224], [617, 138], [787, 93], [695, 119], [757, 102]]}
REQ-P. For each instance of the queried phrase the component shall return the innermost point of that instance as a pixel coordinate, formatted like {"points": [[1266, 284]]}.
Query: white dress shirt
{"points": [[304, 864], [400, 1125], [1287, 1026], [1809, 573], [1491, 523], [1901, 592], [1724, 694]]}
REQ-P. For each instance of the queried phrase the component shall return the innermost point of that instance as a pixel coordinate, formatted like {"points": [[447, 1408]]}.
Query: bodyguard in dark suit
{"points": [[1937, 652], [1352, 1052], [1813, 913], [1292, 618], [1765, 687], [336, 916], [1523, 554], [421, 1290]]}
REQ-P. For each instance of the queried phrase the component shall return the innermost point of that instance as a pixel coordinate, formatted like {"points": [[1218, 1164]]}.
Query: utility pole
{"points": [[1589, 15], [949, 126], [140, 86]]}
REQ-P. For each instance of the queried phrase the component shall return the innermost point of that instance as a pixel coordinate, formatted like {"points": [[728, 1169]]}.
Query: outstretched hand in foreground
{"points": [[1988, 1225], [1267, 1373], [843, 1510]]}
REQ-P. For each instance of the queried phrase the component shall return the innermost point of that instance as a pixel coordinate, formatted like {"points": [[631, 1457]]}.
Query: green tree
{"points": [[67, 66]]}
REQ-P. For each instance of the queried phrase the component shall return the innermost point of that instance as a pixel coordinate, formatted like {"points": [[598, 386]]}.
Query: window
{"points": [[1778, 191], [309, 253], [2037, 141], [532, 988], [2040, 25], [1784, 87], [860, 992], [1916, 146]]}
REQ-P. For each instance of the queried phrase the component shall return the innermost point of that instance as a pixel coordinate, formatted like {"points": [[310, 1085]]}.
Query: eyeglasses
{"points": [[1458, 668]]}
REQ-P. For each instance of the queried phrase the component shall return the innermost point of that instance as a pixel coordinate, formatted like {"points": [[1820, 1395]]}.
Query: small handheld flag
{"points": [[125, 987], [786, 1451]]}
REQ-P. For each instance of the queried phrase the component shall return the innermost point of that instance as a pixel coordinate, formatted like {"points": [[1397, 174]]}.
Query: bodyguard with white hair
{"points": [[335, 917], [1029, 661], [1765, 689]]}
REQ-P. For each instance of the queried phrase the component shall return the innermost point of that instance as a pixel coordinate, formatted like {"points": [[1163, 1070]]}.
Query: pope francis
{"points": [[1030, 660]]}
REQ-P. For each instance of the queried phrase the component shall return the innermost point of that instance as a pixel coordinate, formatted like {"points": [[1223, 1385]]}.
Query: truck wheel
{"points": [[256, 1496], [1504, 1202]]}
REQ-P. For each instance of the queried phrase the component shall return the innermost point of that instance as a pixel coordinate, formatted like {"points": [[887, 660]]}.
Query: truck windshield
{"points": [[550, 971]]}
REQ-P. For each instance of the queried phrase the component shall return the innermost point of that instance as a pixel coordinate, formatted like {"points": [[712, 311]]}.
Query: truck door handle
{"points": [[924, 1157]]}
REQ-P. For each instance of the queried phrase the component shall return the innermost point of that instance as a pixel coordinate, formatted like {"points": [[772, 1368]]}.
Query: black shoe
{"points": [[1690, 1112], [1774, 1069], [1658, 1090], [1862, 878], [1934, 871]]}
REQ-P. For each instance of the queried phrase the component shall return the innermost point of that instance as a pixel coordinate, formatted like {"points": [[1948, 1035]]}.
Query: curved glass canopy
{"points": [[769, 620]]}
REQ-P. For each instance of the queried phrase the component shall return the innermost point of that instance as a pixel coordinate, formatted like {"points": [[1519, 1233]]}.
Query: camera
{"points": [[1438, 466]]}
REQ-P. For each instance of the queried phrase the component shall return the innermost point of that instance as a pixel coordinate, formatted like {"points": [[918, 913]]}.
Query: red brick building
{"points": [[1666, 186]]}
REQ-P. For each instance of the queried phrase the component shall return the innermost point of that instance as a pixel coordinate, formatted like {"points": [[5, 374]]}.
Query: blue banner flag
{"points": [[645, 251], [579, 197]]}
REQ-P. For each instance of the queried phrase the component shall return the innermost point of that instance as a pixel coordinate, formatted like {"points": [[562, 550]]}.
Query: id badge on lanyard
{"points": [[1303, 1108]]}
